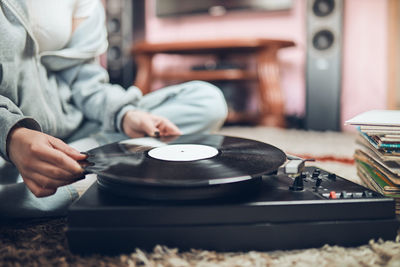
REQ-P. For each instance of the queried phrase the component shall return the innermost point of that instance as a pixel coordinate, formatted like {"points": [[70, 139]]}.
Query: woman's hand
{"points": [[44, 162], [137, 123]]}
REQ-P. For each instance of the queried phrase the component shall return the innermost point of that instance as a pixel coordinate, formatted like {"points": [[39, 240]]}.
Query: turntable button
{"points": [[367, 194], [318, 182], [332, 176], [332, 195], [316, 173], [344, 194]]}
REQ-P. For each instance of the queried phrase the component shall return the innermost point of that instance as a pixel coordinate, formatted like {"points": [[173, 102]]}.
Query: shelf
{"points": [[266, 71], [239, 45], [208, 75], [237, 117]]}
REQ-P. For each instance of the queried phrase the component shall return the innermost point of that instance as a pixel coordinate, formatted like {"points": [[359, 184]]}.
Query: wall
{"points": [[364, 57], [364, 48], [283, 25]]}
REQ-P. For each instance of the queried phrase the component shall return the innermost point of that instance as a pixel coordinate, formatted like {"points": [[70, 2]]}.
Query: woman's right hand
{"points": [[44, 162], [136, 123]]}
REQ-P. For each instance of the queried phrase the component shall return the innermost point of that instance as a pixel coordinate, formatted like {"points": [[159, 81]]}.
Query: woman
{"points": [[53, 92]]}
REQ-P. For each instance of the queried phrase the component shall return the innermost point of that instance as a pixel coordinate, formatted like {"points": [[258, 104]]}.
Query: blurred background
{"points": [[346, 57]]}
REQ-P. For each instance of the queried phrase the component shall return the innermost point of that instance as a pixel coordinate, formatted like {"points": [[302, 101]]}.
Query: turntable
{"points": [[219, 193]]}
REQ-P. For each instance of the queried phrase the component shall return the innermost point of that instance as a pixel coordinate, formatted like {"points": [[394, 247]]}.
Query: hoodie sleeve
{"points": [[100, 100], [11, 116]]}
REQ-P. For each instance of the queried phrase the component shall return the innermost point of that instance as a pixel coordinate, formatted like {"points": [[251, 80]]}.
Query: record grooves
{"points": [[182, 167]]}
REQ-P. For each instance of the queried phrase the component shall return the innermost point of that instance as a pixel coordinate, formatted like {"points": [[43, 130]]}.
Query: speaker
{"points": [[323, 64], [125, 20]]}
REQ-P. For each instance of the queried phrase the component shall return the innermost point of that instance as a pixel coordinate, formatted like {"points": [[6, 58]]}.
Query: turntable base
{"points": [[268, 218]]}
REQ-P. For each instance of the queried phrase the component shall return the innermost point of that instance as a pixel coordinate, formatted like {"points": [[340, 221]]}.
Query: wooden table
{"points": [[266, 73]]}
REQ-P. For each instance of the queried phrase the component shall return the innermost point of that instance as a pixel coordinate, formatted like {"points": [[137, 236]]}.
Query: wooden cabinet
{"points": [[266, 73]]}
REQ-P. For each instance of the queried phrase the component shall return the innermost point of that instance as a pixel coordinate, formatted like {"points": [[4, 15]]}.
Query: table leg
{"points": [[271, 96], [144, 72]]}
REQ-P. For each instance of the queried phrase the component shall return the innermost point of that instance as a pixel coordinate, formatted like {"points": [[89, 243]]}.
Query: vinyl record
{"points": [[187, 162]]}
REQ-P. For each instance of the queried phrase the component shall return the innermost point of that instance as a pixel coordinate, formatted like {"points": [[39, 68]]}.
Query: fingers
{"points": [[47, 182], [44, 162], [149, 127], [162, 127], [38, 190], [70, 151], [43, 178], [166, 127], [58, 158], [156, 126], [54, 172], [139, 123]]}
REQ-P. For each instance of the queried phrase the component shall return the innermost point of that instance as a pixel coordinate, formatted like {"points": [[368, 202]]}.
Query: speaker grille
{"points": [[323, 64], [125, 25], [322, 8], [323, 40]]}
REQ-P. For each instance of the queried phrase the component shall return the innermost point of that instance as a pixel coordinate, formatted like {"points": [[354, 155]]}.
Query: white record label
{"points": [[183, 152]]}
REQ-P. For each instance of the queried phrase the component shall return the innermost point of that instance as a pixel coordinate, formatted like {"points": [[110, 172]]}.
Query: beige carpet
{"points": [[43, 243], [337, 145]]}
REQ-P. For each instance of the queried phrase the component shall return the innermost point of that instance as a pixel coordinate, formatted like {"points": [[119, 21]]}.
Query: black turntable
{"points": [[220, 193]]}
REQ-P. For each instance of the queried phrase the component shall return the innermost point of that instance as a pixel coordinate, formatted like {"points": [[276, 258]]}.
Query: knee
{"points": [[213, 101]]}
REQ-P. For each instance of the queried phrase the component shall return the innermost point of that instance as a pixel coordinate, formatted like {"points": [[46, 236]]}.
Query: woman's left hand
{"points": [[136, 123]]}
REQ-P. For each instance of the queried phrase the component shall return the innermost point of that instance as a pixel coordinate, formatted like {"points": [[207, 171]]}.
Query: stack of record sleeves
{"points": [[377, 155]]}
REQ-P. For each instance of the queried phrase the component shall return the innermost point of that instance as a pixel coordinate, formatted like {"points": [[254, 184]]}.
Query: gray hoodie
{"points": [[54, 91]]}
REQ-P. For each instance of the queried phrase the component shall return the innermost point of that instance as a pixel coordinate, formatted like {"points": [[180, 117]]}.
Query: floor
{"points": [[333, 151], [45, 244]]}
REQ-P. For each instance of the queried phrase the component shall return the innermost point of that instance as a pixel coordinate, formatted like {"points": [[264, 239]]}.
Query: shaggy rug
{"points": [[44, 243]]}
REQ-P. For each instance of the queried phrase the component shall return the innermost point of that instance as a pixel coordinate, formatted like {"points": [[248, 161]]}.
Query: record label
{"points": [[183, 152]]}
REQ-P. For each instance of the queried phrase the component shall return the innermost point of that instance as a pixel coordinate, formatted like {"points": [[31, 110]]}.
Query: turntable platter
{"points": [[186, 161]]}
